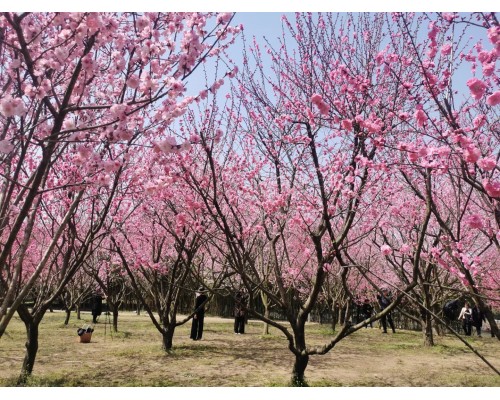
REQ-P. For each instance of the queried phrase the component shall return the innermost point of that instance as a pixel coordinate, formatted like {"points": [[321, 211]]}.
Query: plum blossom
{"points": [[104, 180], [218, 135], [477, 88], [84, 151], [488, 69], [10, 107], [413, 156], [492, 187], [233, 72], [420, 117], [317, 100], [488, 164], [217, 84], [385, 250], [472, 154], [224, 18], [347, 124], [6, 146], [479, 121], [405, 249], [142, 23], [169, 145], [62, 53], [475, 221], [494, 34], [133, 82], [88, 63], [150, 187], [493, 99], [69, 125], [118, 110], [195, 138], [111, 166], [446, 49]]}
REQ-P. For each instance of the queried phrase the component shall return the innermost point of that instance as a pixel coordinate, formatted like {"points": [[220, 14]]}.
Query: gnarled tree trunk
{"points": [[299, 368]]}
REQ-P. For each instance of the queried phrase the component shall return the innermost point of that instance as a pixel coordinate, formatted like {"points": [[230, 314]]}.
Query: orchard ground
{"points": [[134, 357]]}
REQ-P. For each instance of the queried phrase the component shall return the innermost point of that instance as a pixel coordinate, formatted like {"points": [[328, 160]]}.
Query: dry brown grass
{"points": [[133, 357]]}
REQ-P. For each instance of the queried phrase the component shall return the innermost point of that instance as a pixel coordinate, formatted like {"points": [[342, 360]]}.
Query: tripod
{"points": [[107, 320]]}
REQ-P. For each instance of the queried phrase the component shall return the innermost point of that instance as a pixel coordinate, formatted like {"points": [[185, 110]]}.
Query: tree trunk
{"points": [[68, 314], [266, 312], [343, 315], [335, 315], [168, 338], [115, 318], [31, 352], [427, 328], [491, 319], [301, 358], [299, 368], [427, 319], [78, 316]]}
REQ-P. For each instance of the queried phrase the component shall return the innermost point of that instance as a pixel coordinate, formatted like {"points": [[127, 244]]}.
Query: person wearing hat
{"points": [[199, 314], [384, 300]]}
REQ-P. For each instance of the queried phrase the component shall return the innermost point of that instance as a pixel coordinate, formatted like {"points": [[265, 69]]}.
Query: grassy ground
{"points": [[134, 357]]}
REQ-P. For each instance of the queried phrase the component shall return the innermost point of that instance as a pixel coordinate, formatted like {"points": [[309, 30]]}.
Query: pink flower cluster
{"points": [[477, 88], [472, 154], [488, 164], [493, 99], [385, 250], [492, 187], [475, 221], [11, 107], [317, 100], [420, 117], [6, 146]]}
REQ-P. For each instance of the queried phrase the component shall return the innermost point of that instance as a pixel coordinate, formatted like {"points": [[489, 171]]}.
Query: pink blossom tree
{"points": [[82, 92], [459, 140], [294, 177]]}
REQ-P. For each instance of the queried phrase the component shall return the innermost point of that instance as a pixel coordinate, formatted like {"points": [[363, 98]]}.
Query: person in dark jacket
{"points": [[199, 314], [477, 319], [239, 313], [384, 300], [96, 307], [451, 309], [367, 310]]}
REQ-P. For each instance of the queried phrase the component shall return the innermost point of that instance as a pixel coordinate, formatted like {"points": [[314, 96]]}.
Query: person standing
{"points": [[384, 300], [96, 307], [477, 319], [239, 313], [199, 314], [466, 318], [367, 311]]}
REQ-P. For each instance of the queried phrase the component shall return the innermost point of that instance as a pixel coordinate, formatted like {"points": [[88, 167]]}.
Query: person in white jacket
{"points": [[466, 318]]}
